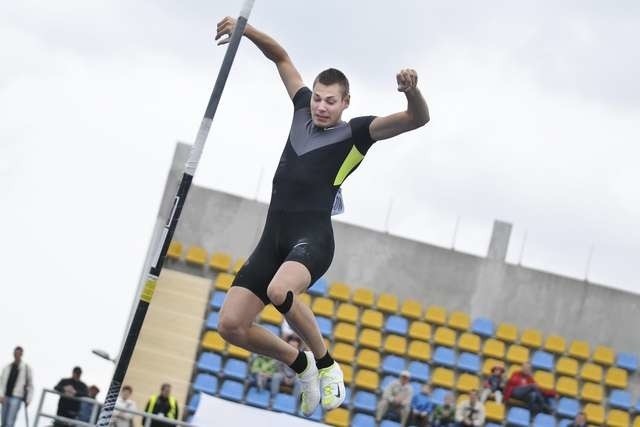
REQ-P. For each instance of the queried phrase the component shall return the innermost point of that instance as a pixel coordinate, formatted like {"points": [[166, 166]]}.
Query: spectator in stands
{"points": [[164, 405], [397, 396], [16, 386], [494, 385], [70, 388], [522, 386], [422, 407], [470, 412], [86, 408], [121, 418], [445, 415], [262, 369], [285, 329], [579, 421], [284, 374]]}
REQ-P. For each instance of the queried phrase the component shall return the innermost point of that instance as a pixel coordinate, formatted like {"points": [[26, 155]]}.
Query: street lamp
{"points": [[103, 354]]}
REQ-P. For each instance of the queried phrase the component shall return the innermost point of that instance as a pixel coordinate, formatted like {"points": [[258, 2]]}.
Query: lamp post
{"points": [[103, 354]]}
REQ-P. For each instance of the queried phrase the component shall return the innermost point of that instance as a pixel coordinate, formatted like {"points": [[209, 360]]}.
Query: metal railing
{"points": [[95, 410]]}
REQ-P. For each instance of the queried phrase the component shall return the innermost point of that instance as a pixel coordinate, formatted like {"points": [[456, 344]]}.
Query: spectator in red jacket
{"points": [[522, 386]]}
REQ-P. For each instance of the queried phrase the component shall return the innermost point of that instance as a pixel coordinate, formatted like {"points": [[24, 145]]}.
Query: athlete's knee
{"points": [[281, 296], [232, 329]]}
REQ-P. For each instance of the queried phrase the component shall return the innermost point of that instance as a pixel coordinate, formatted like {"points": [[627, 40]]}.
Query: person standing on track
{"points": [[296, 247]]}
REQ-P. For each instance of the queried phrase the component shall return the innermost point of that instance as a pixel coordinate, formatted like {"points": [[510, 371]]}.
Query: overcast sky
{"points": [[535, 108]]}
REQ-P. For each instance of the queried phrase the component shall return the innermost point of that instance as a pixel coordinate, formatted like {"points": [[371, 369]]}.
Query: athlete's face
{"points": [[327, 104]]}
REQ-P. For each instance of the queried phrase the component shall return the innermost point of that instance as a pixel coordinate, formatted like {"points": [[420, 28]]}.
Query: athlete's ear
{"points": [[346, 99]]}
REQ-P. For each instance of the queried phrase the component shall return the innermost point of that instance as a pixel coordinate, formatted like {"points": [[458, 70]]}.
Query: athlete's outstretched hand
{"points": [[225, 28], [407, 79]]}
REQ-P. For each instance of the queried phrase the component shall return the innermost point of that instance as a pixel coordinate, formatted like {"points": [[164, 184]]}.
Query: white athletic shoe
{"points": [[310, 387], [332, 385]]}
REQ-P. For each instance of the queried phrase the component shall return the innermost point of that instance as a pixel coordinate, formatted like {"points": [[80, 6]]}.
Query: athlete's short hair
{"points": [[331, 76]]}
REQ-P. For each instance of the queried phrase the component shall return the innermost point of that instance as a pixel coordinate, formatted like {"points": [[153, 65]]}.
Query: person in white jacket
{"points": [[121, 418], [16, 386], [470, 412]]}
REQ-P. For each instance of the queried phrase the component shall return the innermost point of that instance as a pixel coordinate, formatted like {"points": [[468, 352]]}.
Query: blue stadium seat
{"points": [[363, 420], [275, 330], [492, 425], [212, 321], [444, 356], [637, 408], [438, 394], [469, 362], [365, 401], [419, 371], [326, 326], [210, 362], [396, 325], [567, 407], [258, 398], [627, 361], [564, 423], [234, 368], [206, 383], [284, 403], [483, 327], [389, 423], [542, 360], [544, 420], [393, 365], [347, 396], [416, 387], [620, 399], [232, 390], [387, 380], [518, 417], [193, 403], [319, 288], [217, 299], [316, 416]]}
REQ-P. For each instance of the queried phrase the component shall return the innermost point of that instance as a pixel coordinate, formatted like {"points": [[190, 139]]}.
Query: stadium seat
{"points": [[438, 394], [443, 377], [223, 281], [568, 407], [531, 338], [604, 355], [232, 390], [387, 303], [492, 425], [567, 386], [411, 309], [339, 291], [542, 360], [544, 379], [513, 368], [519, 417], [216, 300], [347, 372], [347, 398], [620, 399], [388, 379], [469, 342], [436, 315], [420, 331], [175, 250], [636, 421], [396, 325], [305, 299], [371, 319], [393, 365], [507, 332], [555, 344], [594, 413], [323, 307], [419, 371], [544, 420], [206, 383], [344, 353], [592, 393], [209, 362], [319, 288], [459, 321], [258, 398], [237, 265], [196, 255], [389, 423], [444, 356], [565, 423], [618, 418], [369, 359], [365, 401], [467, 382], [579, 350], [494, 411], [339, 417], [517, 354], [627, 361], [363, 297], [444, 336], [419, 350], [326, 326], [370, 338], [236, 369], [275, 330], [213, 341], [567, 366], [367, 380], [345, 332], [271, 315], [193, 403], [616, 377], [483, 327], [488, 364], [363, 420], [591, 372], [493, 348], [284, 403], [347, 313], [469, 362], [220, 261], [395, 344], [212, 321]]}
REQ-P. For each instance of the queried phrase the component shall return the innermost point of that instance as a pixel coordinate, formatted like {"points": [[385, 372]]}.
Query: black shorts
{"points": [[305, 237]]}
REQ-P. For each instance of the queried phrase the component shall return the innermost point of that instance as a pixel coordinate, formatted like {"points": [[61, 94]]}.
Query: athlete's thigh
{"points": [[240, 307], [293, 276]]}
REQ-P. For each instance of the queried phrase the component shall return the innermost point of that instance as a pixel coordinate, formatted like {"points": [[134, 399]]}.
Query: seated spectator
{"points": [[164, 405], [284, 374], [121, 418], [70, 387], [493, 385], [262, 369], [470, 412], [422, 407], [523, 387], [285, 330], [579, 421], [445, 415], [397, 396], [86, 408]]}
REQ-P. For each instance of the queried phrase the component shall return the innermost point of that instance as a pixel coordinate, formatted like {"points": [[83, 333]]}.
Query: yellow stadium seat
{"points": [[419, 350], [513, 368], [604, 355], [579, 350], [237, 265], [196, 255], [459, 321], [616, 377], [445, 336], [220, 261], [469, 342], [395, 344], [344, 353], [567, 386], [369, 359], [493, 348], [443, 377], [347, 373], [345, 332], [339, 417], [411, 309], [371, 319], [517, 354], [363, 297], [594, 413], [488, 364], [591, 372], [305, 299], [370, 338], [636, 421], [494, 411], [618, 418], [367, 380], [175, 250], [213, 341], [238, 352], [436, 315], [592, 393], [347, 313], [339, 291], [323, 307], [223, 281], [271, 315], [387, 303], [555, 344], [567, 366], [544, 379], [467, 382], [507, 332], [420, 331], [531, 338]]}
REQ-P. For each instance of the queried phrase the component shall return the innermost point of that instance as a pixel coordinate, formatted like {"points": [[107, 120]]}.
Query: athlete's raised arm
{"points": [[416, 114], [271, 49]]}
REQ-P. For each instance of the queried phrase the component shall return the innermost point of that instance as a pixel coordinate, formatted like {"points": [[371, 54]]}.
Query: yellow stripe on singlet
{"points": [[353, 159]]}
